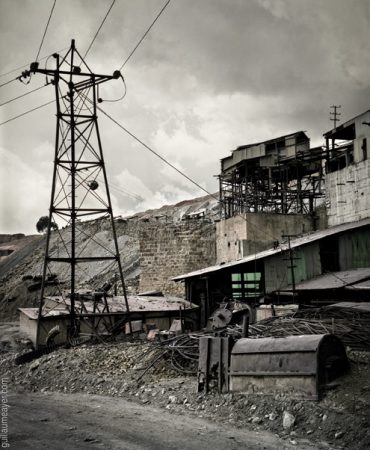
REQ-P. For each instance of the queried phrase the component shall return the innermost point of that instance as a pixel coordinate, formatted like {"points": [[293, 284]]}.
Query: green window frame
{"points": [[246, 285]]}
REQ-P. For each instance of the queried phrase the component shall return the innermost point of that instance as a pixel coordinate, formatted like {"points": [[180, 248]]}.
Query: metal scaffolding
{"points": [[282, 176], [79, 190]]}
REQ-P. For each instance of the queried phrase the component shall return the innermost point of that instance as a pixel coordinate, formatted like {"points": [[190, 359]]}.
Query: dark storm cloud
{"points": [[211, 75]]}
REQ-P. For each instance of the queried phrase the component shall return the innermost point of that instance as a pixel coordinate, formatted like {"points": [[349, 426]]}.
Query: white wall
{"points": [[348, 192]]}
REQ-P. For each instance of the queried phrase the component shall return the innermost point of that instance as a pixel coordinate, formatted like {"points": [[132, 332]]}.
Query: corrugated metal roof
{"points": [[334, 280], [243, 147], [307, 239], [117, 305]]}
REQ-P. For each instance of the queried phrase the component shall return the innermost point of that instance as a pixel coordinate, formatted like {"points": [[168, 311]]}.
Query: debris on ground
{"points": [[340, 421]]}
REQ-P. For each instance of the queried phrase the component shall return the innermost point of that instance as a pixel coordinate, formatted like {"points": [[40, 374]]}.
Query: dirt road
{"points": [[56, 421]]}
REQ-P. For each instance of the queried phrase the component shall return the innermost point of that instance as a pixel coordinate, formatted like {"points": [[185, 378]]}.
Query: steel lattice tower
{"points": [[79, 190]]}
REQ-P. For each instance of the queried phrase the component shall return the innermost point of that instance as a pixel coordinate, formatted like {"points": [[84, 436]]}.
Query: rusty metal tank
{"points": [[299, 366]]}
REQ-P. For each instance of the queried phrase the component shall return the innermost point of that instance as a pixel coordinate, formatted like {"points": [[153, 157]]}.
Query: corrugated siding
{"points": [[278, 274], [360, 249], [354, 250], [313, 263]]}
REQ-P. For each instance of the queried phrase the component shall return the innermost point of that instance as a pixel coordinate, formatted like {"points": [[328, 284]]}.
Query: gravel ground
{"points": [[341, 420]]}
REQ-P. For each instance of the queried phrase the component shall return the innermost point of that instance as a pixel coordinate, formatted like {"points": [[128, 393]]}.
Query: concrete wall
{"points": [[253, 232], [347, 193], [170, 250]]}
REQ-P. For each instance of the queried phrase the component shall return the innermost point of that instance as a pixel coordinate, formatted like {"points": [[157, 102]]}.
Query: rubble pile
{"points": [[350, 325], [340, 420]]}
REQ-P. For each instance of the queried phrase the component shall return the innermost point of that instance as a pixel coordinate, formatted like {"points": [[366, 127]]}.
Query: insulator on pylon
{"points": [[93, 185], [34, 66]]}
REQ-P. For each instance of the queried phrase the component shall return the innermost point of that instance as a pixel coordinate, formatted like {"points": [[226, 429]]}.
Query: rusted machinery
{"points": [[299, 366], [214, 360]]}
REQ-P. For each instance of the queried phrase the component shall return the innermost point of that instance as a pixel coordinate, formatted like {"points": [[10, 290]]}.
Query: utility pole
{"points": [[291, 260], [334, 115], [79, 190]]}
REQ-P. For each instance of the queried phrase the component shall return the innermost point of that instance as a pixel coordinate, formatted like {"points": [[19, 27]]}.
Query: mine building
{"points": [[295, 223], [282, 175]]}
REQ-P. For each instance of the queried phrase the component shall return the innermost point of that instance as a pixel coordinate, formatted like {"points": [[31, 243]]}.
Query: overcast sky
{"points": [[210, 76]]}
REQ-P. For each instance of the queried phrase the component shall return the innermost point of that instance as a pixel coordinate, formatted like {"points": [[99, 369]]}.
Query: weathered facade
{"points": [[249, 233], [167, 249], [265, 276], [282, 175], [348, 171]]}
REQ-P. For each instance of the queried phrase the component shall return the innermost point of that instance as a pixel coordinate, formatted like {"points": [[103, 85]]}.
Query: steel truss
{"points": [[290, 187], [79, 191]]}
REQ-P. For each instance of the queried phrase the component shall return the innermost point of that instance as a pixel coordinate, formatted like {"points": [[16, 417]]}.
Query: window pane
{"points": [[236, 277], [252, 276]]}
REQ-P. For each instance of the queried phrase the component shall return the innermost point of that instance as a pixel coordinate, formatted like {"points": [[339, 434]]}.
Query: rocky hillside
{"points": [[20, 270]]}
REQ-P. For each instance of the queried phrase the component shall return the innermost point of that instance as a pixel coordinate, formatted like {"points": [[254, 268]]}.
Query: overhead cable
{"points": [[96, 34], [27, 112], [23, 95], [46, 29], [8, 82], [145, 34], [155, 153], [252, 225], [28, 64]]}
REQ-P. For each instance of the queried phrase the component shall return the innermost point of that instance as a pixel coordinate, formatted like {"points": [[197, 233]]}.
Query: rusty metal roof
{"points": [[334, 280], [116, 305]]}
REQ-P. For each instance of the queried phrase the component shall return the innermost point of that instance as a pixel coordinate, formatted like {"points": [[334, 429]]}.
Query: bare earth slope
{"points": [[28, 259]]}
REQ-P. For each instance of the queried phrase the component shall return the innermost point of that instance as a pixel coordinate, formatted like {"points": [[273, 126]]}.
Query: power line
{"points": [[46, 29], [156, 154], [123, 191], [8, 82], [147, 147], [27, 65], [27, 112], [252, 225], [23, 95], [145, 34], [96, 34]]}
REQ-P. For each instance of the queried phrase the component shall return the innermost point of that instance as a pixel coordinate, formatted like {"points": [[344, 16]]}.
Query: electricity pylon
{"points": [[79, 190]]}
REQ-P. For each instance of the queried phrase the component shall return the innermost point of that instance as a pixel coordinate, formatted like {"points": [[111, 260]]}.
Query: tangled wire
{"points": [[181, 353]]}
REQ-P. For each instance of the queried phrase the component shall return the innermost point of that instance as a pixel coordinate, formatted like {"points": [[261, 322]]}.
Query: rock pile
{"points": [[341, 420]]}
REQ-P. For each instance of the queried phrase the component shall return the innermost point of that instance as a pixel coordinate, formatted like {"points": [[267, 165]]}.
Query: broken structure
{"points": [[282, 175], [146, 312]]}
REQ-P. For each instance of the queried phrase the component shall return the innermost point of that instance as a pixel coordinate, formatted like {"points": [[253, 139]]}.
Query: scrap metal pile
{"points": [[351, 325], [180, 353]]}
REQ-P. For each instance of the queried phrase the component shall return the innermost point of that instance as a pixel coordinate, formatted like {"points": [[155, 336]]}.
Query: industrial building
{"points": [[332, 259], [273, 242], [282, 175]]}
